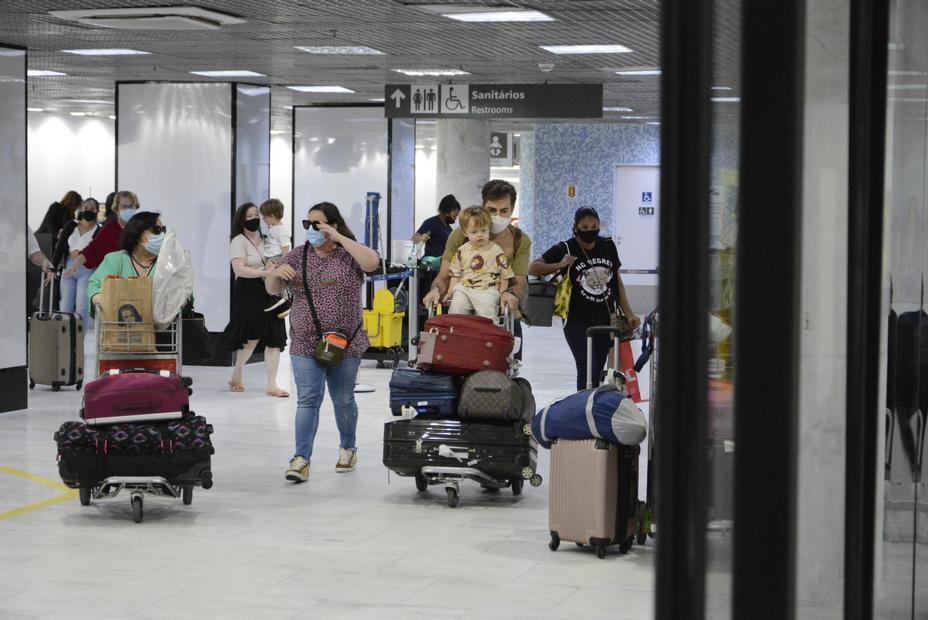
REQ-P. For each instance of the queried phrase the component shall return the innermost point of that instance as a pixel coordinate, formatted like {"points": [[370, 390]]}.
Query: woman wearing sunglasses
{"points": [[327, 338], [141, 242]]}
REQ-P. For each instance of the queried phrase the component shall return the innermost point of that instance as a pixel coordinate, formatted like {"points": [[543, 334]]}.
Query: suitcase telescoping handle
{"points": [[590, 333], [43, 313]]}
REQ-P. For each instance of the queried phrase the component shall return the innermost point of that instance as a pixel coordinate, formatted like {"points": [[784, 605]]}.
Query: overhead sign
{"points": [[493, 100]]}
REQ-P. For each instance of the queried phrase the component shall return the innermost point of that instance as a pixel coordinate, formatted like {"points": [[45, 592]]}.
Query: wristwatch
{"points": [[509, 290]]}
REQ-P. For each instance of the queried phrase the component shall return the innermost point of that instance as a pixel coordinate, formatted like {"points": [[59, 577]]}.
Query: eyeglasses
{"points": [[315, 225], [157, 230]]}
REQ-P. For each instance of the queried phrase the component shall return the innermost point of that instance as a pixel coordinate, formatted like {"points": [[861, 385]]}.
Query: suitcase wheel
{"points": [[56, 387], [31, 384], [78, 385], [84, 493], [422, 484], [452, 497], [188, 496], [555, 542], [517, 487], [601, 550], [623, 548], [137, 512]]}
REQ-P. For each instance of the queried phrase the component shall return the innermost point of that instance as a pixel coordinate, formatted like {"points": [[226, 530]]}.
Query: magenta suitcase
{"points": [[136, 395], [461, 344]]}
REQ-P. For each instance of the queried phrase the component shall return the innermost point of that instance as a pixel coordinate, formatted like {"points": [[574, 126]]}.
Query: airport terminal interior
{"points": [[287, 206]]}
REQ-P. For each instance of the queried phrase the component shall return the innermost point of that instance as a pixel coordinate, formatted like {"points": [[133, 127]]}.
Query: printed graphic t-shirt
{"points": [[593, 274], [480, 268]]}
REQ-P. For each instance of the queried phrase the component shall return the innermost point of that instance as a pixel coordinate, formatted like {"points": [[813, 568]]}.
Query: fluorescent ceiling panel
{"points": [[638, 71], [340, 50], [43, 73], [726, 99], [432, 72], [107, 52], [102, 101], [150, 18], [617, 109], [499, 15], [321, 89], [585, 49], [34, 110], [229, 73]]}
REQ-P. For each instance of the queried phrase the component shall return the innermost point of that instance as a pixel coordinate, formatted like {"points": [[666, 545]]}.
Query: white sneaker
{"points": [[299, 469], [347, 460]]}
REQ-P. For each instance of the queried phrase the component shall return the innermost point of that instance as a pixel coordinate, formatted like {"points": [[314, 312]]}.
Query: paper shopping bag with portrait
{"points": [[127, 319]]}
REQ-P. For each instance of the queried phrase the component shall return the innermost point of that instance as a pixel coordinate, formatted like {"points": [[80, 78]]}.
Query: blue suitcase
{"points": [[428, 393]]}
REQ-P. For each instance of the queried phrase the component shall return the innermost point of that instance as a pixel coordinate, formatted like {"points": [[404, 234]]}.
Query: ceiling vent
{"points": [[151, 18]]}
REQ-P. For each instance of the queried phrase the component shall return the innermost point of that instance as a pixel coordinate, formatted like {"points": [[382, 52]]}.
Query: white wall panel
{"points": [[340, 154], [12, 207], [174, 149], [65, 153], [282, 173], [252, 144], [402, 179]]}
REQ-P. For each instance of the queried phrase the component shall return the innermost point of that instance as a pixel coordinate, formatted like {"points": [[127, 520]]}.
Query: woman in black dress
{"points": [[249, 324]]}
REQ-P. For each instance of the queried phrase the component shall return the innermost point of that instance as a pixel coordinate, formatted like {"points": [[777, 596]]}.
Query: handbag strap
{"points": [[312, 306]]}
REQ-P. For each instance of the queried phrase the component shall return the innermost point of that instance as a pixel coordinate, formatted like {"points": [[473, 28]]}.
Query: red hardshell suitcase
{"points": [[461, 344], [136, 395]]}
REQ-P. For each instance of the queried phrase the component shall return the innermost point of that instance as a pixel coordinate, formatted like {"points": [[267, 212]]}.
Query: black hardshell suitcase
{"points": [[504, 452]]}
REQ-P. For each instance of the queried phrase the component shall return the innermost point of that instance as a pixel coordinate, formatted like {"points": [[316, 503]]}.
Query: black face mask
{"points": [[252, 225], [89, 216], [587, 236]]}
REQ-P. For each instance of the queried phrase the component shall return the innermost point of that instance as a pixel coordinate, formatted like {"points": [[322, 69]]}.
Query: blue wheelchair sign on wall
{"points": [[645, 196]]}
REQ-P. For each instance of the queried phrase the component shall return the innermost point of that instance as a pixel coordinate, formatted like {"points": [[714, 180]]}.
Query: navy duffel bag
{"points": [[600, 413]]}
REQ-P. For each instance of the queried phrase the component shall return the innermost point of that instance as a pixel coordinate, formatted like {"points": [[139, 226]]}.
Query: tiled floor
{"points": [[359, 545]]}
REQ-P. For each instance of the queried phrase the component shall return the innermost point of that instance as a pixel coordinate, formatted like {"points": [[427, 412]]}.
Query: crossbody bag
{"points": [[332, 345]]}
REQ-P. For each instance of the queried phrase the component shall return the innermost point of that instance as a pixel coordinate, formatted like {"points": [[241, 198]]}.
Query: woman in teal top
{"points": [[141, 241]]}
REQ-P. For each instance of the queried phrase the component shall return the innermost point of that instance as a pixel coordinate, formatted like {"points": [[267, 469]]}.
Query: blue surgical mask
{"points": [[126, 214], [315, 237], [154, 242]]}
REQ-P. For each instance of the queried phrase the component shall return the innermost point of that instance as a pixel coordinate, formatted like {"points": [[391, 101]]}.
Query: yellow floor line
{"points": [[58, 486]]}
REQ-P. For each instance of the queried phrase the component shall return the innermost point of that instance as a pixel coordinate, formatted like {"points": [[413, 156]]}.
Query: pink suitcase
{"points": [[136, 395], [593, 496], [460, 344]]}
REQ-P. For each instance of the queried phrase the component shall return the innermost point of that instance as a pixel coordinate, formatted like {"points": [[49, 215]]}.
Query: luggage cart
{"points": [[122, 344], [469, 469], [390, 355], [647, 527]]}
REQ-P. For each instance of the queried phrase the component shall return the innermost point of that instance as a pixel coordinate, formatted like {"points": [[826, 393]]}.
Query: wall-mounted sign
{"points": [[493, 100], [500, 149], [571, 191]]}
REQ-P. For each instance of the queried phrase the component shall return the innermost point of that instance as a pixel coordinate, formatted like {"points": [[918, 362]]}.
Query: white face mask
{"points": [[499, 224]]}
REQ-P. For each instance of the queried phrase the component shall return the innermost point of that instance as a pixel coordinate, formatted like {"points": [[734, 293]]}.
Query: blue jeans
{"points": [[74, 293], [311, 378]]}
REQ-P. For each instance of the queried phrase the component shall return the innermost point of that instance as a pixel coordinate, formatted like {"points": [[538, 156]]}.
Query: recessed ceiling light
{"points": [[501, 14], [653, 123], [112, 117], [617, 109], [586, 49], [321, 89], [638, 71], [34, 110], [104, 101], [106, 52], [726, 99], [376, 100], [432, 72], [637, 118], [277, 132], [43, 73], [340, 50], [229, 73], [722, 88], [78, 113]]}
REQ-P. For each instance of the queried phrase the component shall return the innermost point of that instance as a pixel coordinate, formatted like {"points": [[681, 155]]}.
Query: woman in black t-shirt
{"points": [[592, 263]]}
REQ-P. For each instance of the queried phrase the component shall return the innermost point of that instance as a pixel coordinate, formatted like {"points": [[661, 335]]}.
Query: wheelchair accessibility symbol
{"points": [[646, 197], [454, 99]]}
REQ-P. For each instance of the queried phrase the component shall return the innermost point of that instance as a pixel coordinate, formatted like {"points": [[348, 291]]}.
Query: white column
{"points": [[823, 359], [463, 159]]}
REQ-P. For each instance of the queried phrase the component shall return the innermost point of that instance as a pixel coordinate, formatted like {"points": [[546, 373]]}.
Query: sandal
{"points": [[278, 393], [236, 387]]}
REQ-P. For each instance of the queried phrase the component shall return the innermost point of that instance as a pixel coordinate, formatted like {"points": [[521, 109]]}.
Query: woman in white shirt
{"points": [[74, 287]]}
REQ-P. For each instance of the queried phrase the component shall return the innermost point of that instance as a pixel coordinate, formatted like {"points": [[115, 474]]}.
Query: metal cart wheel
{"points": [[85, 493], [536, 480], [137, 511], [517, 487], [421, 483], [452, 497], [188, 496], [527, 473], [555, 542]]}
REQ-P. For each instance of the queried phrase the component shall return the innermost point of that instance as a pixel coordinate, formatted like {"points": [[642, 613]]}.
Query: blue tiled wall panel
{"points": [[580, 155]]}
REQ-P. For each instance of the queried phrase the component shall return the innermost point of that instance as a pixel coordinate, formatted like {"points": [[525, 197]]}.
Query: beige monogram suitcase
{"points": [[593, 498]]}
